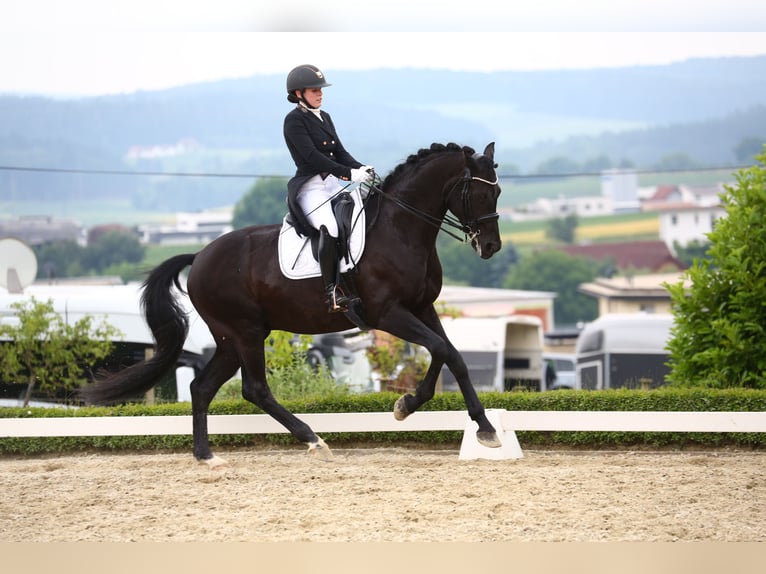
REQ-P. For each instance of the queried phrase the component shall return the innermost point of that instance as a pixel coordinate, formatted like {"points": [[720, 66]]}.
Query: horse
{"points": [[236, 286]]}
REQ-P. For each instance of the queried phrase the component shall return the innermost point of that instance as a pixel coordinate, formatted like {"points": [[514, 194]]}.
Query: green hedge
{"points": [[614, 400]]}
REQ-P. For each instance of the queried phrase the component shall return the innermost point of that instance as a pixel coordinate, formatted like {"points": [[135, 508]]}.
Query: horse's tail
{"points": [[169, 325]]}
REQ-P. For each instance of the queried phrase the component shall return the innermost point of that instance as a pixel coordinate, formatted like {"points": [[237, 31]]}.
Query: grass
{"points": [[156, 254]]}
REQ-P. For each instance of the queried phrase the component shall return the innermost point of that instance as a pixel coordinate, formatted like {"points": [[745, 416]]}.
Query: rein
{"points": [[469, 229]]}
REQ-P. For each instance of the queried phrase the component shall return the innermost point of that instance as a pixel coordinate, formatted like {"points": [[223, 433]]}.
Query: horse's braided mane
{"points": [[423, 153]]}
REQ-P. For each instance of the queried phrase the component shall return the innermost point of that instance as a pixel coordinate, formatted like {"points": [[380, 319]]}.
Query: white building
{"points": [[684, 224], [190, 227], [546, 208], [621, 188]]}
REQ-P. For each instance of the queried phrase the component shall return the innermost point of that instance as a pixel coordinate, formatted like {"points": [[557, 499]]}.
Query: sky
{"points": [[98, 47]]}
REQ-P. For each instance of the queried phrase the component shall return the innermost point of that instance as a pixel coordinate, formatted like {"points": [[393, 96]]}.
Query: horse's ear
{"points": [[489, 151]]}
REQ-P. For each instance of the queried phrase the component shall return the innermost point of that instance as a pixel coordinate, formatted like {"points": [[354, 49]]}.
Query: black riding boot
{"points": [[328, 265]]}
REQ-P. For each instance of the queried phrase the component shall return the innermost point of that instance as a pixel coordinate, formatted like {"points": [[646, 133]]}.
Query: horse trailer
{"points": [[501, 353], [623, 351]]}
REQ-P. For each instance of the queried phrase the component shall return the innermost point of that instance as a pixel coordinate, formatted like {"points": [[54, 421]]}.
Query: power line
{"points": [[128, 172], [125, 172], [624, 170]]}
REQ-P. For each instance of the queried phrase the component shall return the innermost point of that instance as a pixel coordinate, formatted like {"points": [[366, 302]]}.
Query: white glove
{"points": [[368, 168], [360, 175]]}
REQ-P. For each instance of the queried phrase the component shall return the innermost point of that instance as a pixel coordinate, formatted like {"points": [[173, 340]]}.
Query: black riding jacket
{"points": [[316, 149]]}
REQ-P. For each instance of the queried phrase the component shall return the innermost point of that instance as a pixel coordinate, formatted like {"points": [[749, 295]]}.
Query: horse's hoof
{"points": [[400, 409], [214, 462], [320, 450], [488, 439]]}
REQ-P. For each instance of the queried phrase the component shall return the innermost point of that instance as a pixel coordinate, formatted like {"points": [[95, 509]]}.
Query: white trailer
{"points": [[119, 306], [501, 353], [623, 350]]}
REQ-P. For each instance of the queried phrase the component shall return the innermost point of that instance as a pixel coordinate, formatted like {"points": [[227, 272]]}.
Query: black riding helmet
{"points": [[302, 77]]}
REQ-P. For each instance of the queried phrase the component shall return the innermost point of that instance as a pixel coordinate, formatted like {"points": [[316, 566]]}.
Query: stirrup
{"points": [[336, 303]]}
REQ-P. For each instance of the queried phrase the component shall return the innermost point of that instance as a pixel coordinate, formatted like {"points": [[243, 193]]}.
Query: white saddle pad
{"points": [[295, 258]]}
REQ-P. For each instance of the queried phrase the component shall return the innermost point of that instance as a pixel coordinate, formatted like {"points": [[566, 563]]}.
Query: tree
{"points": [[597, 164], [110, 248], [42, 351], [625, 164], [106, 250], [556, 271], [58, 259], [265, 202], [718, 305], [461, 266], [562, 228], [676, 161], [696, 249], [557, 166], [748, 149]]}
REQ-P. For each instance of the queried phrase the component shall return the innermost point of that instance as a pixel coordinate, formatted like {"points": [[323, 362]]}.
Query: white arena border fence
{"points": [[506, 422]]}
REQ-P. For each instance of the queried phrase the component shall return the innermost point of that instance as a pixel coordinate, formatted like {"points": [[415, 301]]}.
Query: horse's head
{"points": [[462, 181], [474, 202]]}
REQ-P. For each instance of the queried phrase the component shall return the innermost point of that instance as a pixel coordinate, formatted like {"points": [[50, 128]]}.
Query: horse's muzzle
{"points": [[486, 249]]}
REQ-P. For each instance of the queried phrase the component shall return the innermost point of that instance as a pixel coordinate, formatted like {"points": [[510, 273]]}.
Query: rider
{"points": [[320, 161]]}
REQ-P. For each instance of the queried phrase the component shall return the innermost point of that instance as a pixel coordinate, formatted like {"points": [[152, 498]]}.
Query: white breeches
{"points": [[315, 197]]}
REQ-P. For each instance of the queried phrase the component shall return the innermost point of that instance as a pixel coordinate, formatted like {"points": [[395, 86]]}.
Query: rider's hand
{"points": [[368, 168], [360, 175]]}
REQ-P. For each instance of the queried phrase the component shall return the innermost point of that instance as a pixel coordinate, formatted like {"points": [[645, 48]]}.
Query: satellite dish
{"points": [[18, 264]]}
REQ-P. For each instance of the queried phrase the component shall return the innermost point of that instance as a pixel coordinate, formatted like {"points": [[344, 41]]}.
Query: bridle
{"points": [[470, 228]]}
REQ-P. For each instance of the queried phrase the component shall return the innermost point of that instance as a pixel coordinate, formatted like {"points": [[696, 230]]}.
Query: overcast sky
{"points": [[92, 47]]}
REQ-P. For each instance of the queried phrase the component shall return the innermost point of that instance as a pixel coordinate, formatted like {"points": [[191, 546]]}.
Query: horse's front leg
{"points": [[407, 404], [428, 332]]}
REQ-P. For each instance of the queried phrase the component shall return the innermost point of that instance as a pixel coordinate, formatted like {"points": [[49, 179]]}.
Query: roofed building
{"points": [[654, 256], [632, 294]]}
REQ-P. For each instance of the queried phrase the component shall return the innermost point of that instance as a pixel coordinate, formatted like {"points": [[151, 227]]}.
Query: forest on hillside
{"points": [[700, 113]]}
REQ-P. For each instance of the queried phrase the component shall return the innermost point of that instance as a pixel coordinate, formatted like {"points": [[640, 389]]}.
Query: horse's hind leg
{"points": [[256, 390], [219, 369]]}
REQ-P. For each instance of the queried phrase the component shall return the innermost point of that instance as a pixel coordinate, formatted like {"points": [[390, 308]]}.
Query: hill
{"points": [[701, 108]]}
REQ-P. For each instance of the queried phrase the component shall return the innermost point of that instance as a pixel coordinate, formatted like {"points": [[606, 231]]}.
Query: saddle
{"points": [[297, 262]]}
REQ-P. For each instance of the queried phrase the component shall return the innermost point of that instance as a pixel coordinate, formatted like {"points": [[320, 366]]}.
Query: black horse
{"points": [[236, 285]]}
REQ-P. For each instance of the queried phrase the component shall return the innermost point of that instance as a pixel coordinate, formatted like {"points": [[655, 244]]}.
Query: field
{"points": [[630, 227]]}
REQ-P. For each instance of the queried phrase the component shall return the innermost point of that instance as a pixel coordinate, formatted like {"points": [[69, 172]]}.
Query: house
{"points": [[665, 196], [548, 208], [41, 229], [488, 302], [190, 227], [686, 213], [684, 224], [632, 293], [654, 256]]}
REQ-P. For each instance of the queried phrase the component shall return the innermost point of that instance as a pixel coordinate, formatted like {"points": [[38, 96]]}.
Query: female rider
{"points": [[322, 163]]}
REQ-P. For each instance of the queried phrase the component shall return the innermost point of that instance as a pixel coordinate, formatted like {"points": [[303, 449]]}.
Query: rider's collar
{"points": [[314, 111]]}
